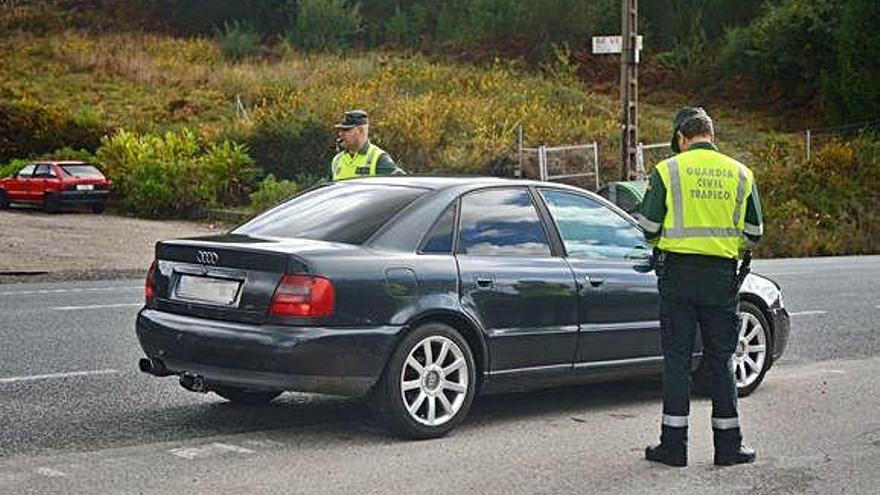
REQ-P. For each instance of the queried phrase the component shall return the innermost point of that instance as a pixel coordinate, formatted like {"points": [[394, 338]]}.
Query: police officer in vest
{"points": [[359, 157], [701, 211]]}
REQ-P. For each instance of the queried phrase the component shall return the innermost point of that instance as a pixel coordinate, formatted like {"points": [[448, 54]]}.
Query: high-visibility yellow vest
{"points": [[346, 166], [705, 203]]}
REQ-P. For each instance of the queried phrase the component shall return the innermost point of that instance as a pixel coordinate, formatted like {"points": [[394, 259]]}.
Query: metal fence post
{"points": [[517, 172], [809, 138], [542, 162], [596, 162]]}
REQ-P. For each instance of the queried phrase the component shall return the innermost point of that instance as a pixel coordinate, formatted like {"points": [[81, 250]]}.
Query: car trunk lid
{"points": [[227, 277]]}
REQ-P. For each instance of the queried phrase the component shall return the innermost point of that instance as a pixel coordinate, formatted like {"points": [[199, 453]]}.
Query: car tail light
{"points": [[303, 295], [148, 286]]}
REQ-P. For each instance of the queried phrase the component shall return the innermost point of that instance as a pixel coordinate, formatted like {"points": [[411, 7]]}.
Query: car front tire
{"points": [[428, 385], [246, 396], [752, 357], [4, 200], [98, 208]]}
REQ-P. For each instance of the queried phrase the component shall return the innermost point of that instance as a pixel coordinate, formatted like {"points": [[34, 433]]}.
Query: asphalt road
{"points": [[77, 417]]}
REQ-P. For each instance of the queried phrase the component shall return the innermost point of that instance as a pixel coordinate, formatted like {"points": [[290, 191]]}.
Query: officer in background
{"points": [[701, 211], [359, 157]]}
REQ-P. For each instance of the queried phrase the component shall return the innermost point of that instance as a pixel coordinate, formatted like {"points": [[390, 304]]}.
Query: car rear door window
{"points": [[590, 229], [502, 222], [439, 240], [338, 212]]}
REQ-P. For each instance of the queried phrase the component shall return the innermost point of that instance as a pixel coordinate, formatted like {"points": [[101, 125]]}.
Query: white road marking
{"points": [[97, 306], [263, 443], [811, 312], [50, 376], [208, 450], [64, 291], [778, 274], [51, 473]]}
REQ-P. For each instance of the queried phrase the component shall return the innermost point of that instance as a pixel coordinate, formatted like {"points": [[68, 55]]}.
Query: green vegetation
{"points": [[823, 206], [272, 192], [175, 173], [220, 103]]}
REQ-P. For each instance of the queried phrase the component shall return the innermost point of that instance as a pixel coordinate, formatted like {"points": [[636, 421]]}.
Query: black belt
{"points": [[696, 259]]}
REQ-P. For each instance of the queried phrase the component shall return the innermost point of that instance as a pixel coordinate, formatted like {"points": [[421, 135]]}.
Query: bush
{"points": [[272, 192], [791, 44], [175, 173], [237, 40], [288, 146], [12, 167], [30, 129], [325, 25], [824, 206]]}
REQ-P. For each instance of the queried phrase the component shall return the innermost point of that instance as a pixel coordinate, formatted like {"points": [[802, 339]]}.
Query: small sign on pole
{"points": [[611, 44]]}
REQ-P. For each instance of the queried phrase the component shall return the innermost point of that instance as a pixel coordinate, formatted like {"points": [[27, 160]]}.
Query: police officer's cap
{"points": [[353, 118], [684, 115]]}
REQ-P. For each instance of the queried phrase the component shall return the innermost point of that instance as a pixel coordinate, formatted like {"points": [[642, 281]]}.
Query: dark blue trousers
{"points": [[697, 292]]}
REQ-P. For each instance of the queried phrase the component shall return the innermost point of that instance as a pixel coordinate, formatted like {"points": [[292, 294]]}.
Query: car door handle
{"points": [[594, 281], [485, 282]]}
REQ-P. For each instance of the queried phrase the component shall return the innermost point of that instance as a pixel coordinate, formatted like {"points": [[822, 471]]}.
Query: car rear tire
{"points": [[428, 384], [246, 395], [98, 208], [4, 200], [752, 357], [51, 203]]}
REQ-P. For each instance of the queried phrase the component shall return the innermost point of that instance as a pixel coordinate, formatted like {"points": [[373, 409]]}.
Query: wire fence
{"points": [[815, 138]]}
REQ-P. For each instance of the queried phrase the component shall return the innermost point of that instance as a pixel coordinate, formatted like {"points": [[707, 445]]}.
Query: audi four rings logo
{"points": [[207, 257]]}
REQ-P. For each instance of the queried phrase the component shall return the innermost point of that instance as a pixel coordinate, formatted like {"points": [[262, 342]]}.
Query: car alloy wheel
{"points": [[434, 381], [751, 350], [428, 384], [752, 357]]}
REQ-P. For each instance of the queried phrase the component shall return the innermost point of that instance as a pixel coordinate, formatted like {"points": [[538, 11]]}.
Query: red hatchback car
{"points": [[56, 184]]}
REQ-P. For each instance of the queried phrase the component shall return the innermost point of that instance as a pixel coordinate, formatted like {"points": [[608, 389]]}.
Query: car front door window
{"points": [[27, 172], [590, 229]]}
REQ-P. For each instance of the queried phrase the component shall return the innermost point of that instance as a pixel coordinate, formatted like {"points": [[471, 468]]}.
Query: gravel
{"points": [[73, 245]]}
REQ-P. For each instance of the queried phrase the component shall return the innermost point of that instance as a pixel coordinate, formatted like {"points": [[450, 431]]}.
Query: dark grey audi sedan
{"points": [[419, 293]]}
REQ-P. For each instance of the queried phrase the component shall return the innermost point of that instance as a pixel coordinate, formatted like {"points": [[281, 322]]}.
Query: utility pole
{"points": [[629, 88]]}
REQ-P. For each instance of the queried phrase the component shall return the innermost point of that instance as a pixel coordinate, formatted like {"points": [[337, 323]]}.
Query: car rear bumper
{"points": [[781, 323], [344, 361], [83, 197]]}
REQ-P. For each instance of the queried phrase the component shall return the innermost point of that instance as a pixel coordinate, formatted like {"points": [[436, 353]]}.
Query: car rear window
{"points": [[340, 212], [85, 171]]}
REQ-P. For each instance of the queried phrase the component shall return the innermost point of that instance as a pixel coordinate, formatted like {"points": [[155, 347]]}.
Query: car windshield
{"points": [[83, 170], [339, 212]]}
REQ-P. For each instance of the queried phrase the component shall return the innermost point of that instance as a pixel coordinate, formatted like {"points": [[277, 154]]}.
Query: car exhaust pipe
{"points": [[193, 383], [153, 367]]}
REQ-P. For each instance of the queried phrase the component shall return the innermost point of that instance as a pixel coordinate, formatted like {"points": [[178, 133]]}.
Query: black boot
{"points": [[672, 449], [741, 455], [729, 449], [662, 454]]}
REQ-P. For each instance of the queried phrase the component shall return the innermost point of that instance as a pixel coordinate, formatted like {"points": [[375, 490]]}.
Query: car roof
{"points": [[437, 182]]}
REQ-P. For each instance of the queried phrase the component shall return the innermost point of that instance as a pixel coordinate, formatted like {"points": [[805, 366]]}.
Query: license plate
{"points": [[207, 289], [85, 187]]}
